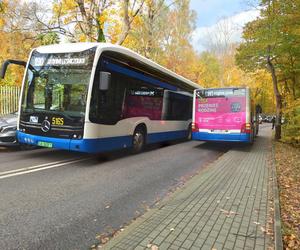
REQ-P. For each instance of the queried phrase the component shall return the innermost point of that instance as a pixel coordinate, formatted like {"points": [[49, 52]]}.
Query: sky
{"points": [[212, 14]]}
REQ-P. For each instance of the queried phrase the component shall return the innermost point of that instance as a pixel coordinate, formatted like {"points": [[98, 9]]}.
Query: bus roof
{"points": [[78, 47]]}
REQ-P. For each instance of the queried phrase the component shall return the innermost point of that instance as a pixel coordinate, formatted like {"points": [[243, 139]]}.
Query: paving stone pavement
{"points": [[224, 207]]}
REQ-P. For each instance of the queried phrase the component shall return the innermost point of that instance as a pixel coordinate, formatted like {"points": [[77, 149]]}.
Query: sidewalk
{"points": [[224, 207]]}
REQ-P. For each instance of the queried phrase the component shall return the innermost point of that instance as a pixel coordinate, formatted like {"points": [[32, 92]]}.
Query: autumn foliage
{"points": [[271, 43], [161, 30]]}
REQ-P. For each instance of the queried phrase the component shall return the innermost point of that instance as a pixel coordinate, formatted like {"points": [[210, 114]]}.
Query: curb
{"points": [[277, 218]]}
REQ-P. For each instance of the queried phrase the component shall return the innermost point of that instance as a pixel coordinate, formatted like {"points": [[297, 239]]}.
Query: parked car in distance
{"points": [[268, 118], [8, 129]]}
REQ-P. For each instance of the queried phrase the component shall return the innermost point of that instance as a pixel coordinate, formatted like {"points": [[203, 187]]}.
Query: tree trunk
{"points": [[149, 45], [278, 99], [126, 23], [294, 84]]}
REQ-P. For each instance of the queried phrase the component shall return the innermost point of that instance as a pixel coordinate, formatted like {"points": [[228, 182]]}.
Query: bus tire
{"points": [[189, 133], [138, 140]]}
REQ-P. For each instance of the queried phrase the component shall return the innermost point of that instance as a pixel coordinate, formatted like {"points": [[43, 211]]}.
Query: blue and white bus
{"points": [[97, 97]]}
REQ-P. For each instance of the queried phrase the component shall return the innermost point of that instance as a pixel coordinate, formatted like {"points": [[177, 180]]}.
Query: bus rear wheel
{"points": [[138, 140], [189, 133]]}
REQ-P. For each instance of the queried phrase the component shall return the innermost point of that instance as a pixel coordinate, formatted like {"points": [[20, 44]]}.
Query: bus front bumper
{"points": [[236, 137], [83, 145]]}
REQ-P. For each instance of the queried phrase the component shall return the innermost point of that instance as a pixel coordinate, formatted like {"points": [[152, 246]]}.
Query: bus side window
{"points": [[179, 107], [143, 102]]}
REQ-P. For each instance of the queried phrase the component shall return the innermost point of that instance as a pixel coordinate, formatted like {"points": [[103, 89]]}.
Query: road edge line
{"points": [[36, 169]]}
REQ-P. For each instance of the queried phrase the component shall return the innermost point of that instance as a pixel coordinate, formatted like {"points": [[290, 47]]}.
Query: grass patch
{"points": [[287, 160]]}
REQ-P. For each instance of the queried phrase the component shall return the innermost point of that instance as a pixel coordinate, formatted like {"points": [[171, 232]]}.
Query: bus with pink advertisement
{"points": [[224, 114]]}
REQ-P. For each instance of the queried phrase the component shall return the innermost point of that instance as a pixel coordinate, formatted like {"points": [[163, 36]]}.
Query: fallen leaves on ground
{"points": [[152, 246], [228, 213], [288, 171]]}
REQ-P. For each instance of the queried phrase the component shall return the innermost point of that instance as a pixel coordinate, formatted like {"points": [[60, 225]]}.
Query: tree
{"points": [[272, 43], [176, 44], [16, 37], [260, 51], [147, 33], [88, 20], [129, 14], [210, 73]]}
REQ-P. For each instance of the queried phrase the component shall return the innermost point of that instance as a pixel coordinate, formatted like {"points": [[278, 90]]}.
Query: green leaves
{"points": [[48, 38]]}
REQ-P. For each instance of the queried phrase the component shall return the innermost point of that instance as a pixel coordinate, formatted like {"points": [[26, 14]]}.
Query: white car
{"points": [[8, 129]]}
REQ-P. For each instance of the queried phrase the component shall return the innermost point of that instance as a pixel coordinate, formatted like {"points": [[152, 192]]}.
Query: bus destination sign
{"points": [[56, 61]]}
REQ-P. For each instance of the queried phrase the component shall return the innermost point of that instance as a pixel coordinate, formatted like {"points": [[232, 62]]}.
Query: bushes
{"points": [[291, 126]]}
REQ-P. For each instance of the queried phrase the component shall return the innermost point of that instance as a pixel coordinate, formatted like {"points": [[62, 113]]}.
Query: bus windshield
{"points": [[58, 83]]}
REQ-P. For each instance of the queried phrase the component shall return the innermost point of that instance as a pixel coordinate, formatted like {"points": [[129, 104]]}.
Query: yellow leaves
{"points": [[2, 22], [3, 8], [69, 4], [64, 10], [149, 2], [56, 8], [138, 21], [68, 20], [104, 17], [82, 38], [114, 31], [64, 6]]}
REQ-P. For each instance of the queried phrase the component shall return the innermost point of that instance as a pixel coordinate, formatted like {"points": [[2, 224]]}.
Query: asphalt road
{"points": [[53, 199]]}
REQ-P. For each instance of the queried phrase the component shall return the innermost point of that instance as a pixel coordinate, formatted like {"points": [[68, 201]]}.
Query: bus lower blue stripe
{"points": [[166, 136], [98, 145], [239, 137]]}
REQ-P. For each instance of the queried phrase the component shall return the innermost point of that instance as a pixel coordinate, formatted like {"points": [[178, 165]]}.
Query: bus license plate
{"points": [[45, 144], [218, 131]]}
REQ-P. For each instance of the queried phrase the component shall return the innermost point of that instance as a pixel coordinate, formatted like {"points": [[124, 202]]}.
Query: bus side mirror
{"points": [[6, 63], [104, 80], [3, 70]]}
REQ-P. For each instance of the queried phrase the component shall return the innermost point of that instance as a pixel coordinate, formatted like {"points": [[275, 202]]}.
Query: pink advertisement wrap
{"points": [[220, 113]]}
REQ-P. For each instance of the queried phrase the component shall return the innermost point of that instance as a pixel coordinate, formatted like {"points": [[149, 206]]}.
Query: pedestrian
{"points": [[273, 122]]}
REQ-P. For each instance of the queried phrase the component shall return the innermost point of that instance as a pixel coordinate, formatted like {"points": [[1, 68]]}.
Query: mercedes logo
{"points": [[45, 126]]}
